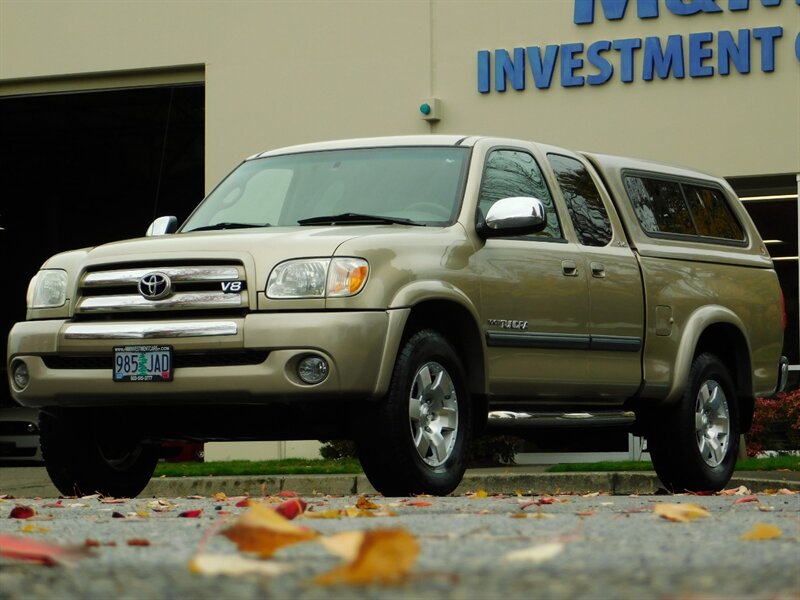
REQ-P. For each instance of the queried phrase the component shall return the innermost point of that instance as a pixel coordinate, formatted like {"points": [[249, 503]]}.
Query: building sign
{"points": [[701, 54]]}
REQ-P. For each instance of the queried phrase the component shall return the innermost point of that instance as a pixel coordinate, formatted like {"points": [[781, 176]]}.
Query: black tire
{"points": [[424, 452], [83, 455], [695, 443]]}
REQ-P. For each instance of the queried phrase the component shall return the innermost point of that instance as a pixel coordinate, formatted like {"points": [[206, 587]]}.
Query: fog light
{"points": [[21, 376], [312, 369]]}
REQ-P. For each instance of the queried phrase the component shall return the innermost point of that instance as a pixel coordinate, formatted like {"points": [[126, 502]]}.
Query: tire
{"points": [[694, 446], [415, 440], [82, 456]]}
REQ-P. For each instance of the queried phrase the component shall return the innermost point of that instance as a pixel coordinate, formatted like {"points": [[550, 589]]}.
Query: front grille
{"points": [[181, 360], [115, 293]]}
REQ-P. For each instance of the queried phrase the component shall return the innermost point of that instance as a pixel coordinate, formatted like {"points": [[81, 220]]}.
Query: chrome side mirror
{"points": [[162, 226], [513, 216]]}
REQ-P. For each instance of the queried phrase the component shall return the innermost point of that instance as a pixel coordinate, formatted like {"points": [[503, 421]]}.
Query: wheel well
{"points": [[728, 343], [456, 323]]}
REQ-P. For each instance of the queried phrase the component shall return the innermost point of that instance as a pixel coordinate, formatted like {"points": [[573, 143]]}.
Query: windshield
{"points": [[419, 185]]}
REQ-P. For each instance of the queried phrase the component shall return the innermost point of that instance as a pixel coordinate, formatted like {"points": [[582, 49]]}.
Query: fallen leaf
{"points": [[352, 511], [220, 496], [232, 564], [291, 508], [191, 514], [480, 494], [344, 545], [263, 531], [22, 512], [43, 553], [762, 531], [537, 554], [537, 502], [57, 504], [681, 513], [740, 491], [591, 495], [534, 515], [585, 513], [365, 503], [244, 503], [113, 500], [746, 499], [78, 505], [195, 497], [419, 503], [31, 528], [287, 494], [138, 542], [385, 556], [323, 514]]}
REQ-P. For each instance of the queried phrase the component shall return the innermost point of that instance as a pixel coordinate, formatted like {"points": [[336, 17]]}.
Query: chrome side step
{"points": [[504, 419]]}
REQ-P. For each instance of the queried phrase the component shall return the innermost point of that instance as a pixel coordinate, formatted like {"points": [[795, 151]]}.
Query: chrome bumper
{"points": [[783, 373]]}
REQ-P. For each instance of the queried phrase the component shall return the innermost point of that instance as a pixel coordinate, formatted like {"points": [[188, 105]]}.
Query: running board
{"points": [[504, 419]]}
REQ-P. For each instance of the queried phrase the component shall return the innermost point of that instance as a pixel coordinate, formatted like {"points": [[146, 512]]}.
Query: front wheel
{"points": [[695, 446], [414, 441], [86, 454]]}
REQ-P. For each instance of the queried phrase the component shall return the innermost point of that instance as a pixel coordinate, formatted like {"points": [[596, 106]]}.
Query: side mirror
{"points": [[513, 216], [162, 226]]}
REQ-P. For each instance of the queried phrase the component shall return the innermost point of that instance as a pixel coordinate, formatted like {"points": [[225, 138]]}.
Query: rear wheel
{"points": [[85, 454], [695, 445], [414, 441]]}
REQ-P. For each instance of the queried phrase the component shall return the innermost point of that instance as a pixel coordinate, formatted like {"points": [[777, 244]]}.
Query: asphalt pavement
{"points": [[31, 482]]}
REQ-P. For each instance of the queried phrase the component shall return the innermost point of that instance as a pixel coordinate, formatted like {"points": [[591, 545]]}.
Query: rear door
{"points": [[616, 296]]}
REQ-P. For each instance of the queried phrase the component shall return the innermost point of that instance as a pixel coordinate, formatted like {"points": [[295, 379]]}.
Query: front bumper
{"points": [[66, 360]]}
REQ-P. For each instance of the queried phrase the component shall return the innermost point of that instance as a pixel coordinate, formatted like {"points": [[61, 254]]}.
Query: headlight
{"points": [[48, 289], [318, 278]]}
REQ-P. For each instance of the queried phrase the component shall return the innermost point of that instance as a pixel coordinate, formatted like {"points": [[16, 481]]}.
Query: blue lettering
{"points": [[570, 64], [745, 4], [483, 71], [698, 54], [614, 10], [685, 8], [662, 62], [626, 48], [767, 37], [514, 70], [728, 51], [593, 55], [542, 68]]}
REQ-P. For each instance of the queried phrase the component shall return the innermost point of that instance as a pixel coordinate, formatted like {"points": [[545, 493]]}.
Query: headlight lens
{"points": [[318, 278], [48, 289]]}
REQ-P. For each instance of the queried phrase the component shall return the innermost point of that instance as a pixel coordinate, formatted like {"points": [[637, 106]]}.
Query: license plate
{"points": [[143, 363]]}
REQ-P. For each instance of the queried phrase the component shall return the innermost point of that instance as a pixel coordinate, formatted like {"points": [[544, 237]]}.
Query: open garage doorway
{"points": [[84, 168]]}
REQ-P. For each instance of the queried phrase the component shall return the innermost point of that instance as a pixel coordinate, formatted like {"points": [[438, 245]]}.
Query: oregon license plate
{"points": [[143, 363]]}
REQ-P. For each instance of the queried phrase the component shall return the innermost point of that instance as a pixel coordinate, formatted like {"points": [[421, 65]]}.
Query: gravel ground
{"points": [[611, 547]]}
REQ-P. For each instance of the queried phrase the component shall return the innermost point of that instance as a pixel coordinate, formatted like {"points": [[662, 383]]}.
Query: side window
{"points": [[510, 173], [711, 213], [659, 205], [584, 204]]}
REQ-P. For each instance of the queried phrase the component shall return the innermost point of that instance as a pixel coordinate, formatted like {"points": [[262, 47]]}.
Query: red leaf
{"points": [[191, 514], [138, 542], [291, 508], [287, 494], [419, 503], [39, 552], [746, 499], [243, 503], [57, 504], [22, 512]]}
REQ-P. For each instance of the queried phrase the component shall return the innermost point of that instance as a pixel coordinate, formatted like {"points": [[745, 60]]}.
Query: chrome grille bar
{"points": [[140, 331], [179, 274], [178, 301]]}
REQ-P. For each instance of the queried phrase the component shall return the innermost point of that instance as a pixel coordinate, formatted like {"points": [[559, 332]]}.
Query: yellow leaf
{"points": [[322, 514], [344, 545], [220, 496], [364, 503], [762, 531], [384, 556], [31, 528], [233, 564], [681, 513], [263, 531], [480, 494]]}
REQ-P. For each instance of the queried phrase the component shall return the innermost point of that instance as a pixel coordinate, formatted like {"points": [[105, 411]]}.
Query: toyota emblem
{"points": [[155, 286]]}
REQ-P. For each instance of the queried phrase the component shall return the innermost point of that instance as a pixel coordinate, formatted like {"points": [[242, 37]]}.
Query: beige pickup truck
{"points": [[394, 291]]}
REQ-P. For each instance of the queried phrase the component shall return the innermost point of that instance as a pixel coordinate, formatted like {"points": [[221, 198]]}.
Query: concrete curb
{"points": [[620, 484]]}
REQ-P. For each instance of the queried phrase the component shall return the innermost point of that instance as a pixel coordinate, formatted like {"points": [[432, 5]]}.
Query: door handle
{"points": [[569, 268], [598, 269]]}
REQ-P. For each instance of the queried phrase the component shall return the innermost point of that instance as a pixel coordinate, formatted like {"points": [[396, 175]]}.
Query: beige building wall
{"points": [[281, 73]]}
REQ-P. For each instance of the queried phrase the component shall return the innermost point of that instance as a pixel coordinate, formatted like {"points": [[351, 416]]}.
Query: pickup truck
{"points": [[396, 290]]}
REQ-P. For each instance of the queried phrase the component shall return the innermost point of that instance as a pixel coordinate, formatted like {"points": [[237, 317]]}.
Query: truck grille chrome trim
{"points": [[140, 331], [178, 301], [178, 274]]}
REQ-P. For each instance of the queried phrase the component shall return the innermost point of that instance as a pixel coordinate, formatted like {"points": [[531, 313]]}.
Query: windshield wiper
{"points": [[357, 219], [228, 225]]}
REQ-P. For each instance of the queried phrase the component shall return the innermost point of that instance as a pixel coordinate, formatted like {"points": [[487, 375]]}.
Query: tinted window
{"points": [[584, 204], [659, 205], [511, 173], [711, 213]]}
